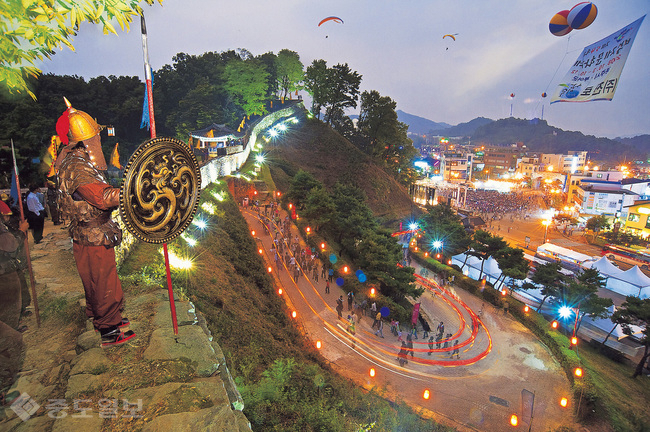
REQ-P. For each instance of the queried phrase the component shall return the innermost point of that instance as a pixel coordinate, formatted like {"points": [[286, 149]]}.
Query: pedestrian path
{"points": [[497, 357]]}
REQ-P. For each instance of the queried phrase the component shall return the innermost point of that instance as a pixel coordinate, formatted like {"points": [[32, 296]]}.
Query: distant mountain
{"points": [[419, 125], [538, 136], [640, 142], [463, 129]]}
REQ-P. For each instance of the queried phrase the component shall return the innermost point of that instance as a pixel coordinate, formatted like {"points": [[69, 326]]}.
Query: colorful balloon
{"points": [[340, 281], [559, 25], [544, 94], [512, 95], [582, 15]]}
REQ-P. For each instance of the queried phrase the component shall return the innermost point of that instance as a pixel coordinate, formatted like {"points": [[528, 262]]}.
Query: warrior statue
{"points": [[87, 200]]}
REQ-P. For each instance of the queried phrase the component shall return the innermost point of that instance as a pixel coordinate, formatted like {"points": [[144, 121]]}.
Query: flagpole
{"points": [[22, 219], [152, 128]]}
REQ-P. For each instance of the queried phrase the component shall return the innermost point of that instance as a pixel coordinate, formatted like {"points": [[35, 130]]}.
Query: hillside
{"points": [[316, 148], [538, 136]]}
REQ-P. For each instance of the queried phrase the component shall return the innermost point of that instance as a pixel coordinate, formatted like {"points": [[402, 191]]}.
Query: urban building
{"points": [[500, 160], [456, 166], [567, 163]]}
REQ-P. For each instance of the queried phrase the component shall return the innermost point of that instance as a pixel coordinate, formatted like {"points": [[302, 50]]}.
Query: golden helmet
{"points": [[82, 126]]}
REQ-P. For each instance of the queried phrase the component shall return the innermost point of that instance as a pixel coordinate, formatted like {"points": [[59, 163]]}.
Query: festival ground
{"points": [[478, 391]]}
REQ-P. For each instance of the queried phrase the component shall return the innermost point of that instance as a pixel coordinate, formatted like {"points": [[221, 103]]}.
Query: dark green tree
{"points": [[598, 223], [442, 223], [378, 256], [301, 185], [582, 294], [343, 91], [320, 208], [485, 245], [317, 85], [636, 311], [549, 277], [512, 264], [353, 216]]}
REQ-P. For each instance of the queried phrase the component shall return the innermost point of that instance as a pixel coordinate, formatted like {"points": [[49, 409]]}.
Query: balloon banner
{"points": [[595, 74]]}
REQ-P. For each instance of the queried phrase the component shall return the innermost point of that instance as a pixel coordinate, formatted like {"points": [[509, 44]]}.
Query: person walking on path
{"points": [[441, 329], [425, 327], [350, 299], [315, 273], [446, 344], [456, 350], [380, 329], [327, 287], [35, 213], [431, 345], [401, 355], [399, 333], [339, 306], [53, 202], [373, 309], [409, 343]]}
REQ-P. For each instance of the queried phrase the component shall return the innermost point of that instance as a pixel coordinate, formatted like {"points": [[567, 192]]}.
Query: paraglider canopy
{"points": [[332, 18], [453, 36]]}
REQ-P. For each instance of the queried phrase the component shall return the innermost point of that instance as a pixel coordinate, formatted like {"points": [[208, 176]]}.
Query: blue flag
{"points": [[145, 107], [14, 189]]}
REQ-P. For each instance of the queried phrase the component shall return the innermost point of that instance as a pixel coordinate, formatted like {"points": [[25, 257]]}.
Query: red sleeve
{"points": [[100, 195]]}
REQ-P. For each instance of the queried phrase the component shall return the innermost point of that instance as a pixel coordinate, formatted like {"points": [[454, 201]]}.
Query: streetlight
{"points": [[546, 223]]}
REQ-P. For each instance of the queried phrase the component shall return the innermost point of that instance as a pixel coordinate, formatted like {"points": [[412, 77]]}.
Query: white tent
{"points": [[606, 325], [472, 268], [631, 282], [605, 267]]}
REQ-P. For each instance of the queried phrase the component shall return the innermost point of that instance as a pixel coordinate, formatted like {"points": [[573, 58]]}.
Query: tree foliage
{"points": [[246, 82], [30, 30], [598, 223], [441, 223], [636, 311], [290, 72], [383, 136]]}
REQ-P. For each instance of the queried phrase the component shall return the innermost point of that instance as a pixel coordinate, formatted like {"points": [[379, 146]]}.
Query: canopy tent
{"points": [[472, 268], [605, 267], [606, 325], [630, 282]]}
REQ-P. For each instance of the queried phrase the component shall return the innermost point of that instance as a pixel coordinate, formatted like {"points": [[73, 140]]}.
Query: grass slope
{"points": [[315, 147]]}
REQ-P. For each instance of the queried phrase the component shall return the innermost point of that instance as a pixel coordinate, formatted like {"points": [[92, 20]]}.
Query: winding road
{"points": [[478, 391]]}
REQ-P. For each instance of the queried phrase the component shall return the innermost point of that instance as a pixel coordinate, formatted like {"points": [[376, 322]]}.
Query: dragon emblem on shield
{"points": [[160, 190]]}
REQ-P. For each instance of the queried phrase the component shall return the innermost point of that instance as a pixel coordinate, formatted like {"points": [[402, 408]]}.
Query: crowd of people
{"points": [[485, 202]]}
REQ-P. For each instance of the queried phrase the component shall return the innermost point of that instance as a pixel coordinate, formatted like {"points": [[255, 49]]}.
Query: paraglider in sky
{"points": [[582, 15], [453, 36], [559, 25], [332, 18], [512, 95]]}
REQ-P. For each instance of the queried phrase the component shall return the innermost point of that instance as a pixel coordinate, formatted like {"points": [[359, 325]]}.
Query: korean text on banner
{"points": [[595, 74]]}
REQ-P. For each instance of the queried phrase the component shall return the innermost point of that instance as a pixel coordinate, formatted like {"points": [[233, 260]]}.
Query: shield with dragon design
{"points": [[160, 190]]}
